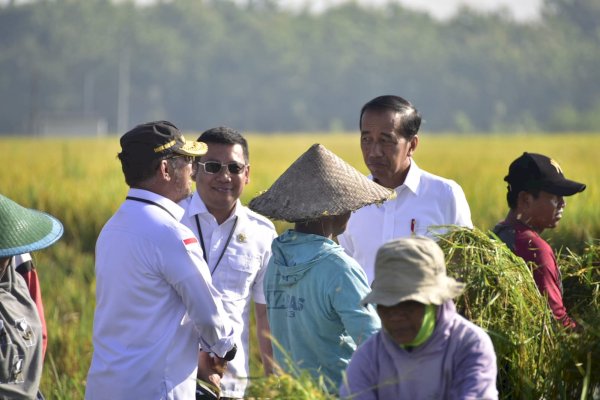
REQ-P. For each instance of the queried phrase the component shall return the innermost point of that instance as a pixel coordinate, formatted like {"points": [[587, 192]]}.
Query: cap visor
{"points": [[193, 149], [564, 188]]}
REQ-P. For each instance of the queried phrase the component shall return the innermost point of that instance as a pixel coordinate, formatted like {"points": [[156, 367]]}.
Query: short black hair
{"points": [[225, 135], [512, 196], [137, 174], [410, 116]]}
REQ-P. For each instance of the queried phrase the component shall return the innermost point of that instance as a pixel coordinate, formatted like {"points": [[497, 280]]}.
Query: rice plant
{"points": [[80, 181], [291, 382], [537, 357]]}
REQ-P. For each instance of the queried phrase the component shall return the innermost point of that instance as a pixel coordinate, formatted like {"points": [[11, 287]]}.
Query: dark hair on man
{"points": [[410, 119], [512, 196], [136, 174], [225, 135]]}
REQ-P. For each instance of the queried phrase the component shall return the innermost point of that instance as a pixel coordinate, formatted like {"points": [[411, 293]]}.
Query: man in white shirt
{"points": [[155, 304], [389, 127], [236, 243]]}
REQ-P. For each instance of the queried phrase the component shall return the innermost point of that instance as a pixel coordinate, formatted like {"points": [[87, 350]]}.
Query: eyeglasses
{"points": [[215, 167]]}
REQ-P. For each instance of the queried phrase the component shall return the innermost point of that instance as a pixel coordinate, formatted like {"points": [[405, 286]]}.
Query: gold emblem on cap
{"points": [[555, 165], [199, 147], [164, 146], [241, 238]]}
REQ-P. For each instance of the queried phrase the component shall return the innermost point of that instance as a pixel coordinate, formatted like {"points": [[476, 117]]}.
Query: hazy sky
{"points": [[520, 9]]}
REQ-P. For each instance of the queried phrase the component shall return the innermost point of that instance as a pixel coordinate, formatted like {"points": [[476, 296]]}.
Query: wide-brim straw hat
{"points": [[317, 184], [411, 269], [23, 230]]}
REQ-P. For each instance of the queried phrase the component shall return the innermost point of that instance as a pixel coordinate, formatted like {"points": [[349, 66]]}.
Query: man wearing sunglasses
{"points": [[237, 246]]}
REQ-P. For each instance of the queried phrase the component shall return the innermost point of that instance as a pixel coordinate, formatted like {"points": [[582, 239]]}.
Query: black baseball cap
{"points": [[157, 139], [536, 171]]}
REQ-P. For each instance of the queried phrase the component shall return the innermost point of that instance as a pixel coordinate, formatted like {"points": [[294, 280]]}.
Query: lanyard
{"points": [[150, 202], [224, 247]]}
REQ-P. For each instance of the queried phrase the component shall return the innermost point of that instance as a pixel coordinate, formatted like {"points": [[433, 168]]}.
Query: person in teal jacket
{"points": [[312, 287]]}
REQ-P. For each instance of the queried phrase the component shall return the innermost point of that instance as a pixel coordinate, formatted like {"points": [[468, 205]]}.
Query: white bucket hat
{"points": [[317, 184], [411, 269]]}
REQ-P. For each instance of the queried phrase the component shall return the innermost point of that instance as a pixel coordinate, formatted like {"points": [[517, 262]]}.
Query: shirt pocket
{"points": [[237, 276]]}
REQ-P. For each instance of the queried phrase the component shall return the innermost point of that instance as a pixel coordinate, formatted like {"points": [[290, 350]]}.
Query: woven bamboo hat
{"points": [[23, 230], [318, 184]]}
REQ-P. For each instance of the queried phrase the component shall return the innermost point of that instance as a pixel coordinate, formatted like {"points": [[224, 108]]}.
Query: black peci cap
{"points": [[157, 139]]}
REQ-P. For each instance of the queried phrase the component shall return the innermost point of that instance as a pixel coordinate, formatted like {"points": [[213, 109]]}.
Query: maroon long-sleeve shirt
{"points": [[527, 244]]}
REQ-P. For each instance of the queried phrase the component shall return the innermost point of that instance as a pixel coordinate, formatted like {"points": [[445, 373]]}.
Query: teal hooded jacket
{"points": [[313, 291]]}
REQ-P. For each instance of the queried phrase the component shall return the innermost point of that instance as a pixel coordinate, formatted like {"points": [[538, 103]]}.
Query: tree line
{"points": [[259, 67]]}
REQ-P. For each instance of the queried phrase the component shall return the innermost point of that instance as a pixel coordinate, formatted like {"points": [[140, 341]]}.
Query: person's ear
{"points": [[414, 142], [247, 177], [164, 170], [524, 199]]}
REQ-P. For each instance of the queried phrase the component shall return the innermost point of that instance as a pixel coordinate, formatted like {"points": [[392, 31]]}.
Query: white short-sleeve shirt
{"points": [[155, 305], [237, 272], [422, 201]]}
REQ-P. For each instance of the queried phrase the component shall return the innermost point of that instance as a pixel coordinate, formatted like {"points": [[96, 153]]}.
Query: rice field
{"points": [[80, 182]]}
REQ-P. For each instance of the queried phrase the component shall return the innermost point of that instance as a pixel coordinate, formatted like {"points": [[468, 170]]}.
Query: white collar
{"points": [[412, 180], [197, 207], [176, 210]]}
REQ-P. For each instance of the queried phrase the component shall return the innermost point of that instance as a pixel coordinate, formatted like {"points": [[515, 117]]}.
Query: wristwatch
{"points": [[231, 353]]}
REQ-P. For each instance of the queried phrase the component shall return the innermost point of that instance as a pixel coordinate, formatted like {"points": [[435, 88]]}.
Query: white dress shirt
{"points": [[238, 275], [424, 200], [155, 305]]}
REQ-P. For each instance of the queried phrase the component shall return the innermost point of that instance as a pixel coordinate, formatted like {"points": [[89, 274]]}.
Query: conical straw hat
{"points": [[317, 184], [23, 230]]}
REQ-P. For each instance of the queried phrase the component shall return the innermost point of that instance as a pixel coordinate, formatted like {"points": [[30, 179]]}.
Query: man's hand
{"points": [[211, 368]]}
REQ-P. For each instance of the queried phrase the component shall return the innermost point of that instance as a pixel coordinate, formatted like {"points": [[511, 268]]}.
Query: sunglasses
{"points": [[215, 167]]}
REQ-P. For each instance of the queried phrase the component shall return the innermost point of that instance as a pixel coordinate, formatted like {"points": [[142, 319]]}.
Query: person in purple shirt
{"points": [[425, 350]]}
